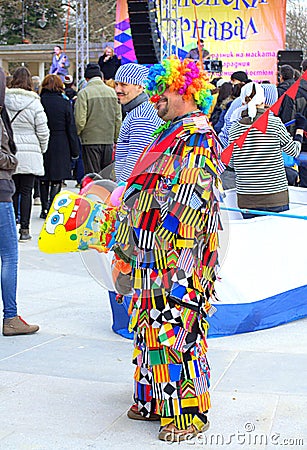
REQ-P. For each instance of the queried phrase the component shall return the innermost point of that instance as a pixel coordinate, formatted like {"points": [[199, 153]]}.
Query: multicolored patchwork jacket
{"points": [[170, 218]]}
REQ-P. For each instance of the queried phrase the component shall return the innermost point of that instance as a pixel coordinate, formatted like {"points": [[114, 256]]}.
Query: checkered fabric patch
{"points": [[195, 201], [170, 390], [145, 376], [156, 318], [144, 408], [191, 298], [167, 334], [171, 314], [180, 277]]}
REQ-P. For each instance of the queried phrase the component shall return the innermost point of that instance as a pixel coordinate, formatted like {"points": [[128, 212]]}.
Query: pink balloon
{"points": [[85, 188], [115, 198]]}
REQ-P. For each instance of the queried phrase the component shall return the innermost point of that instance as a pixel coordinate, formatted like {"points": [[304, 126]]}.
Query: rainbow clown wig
{"points": [[187, 77]]}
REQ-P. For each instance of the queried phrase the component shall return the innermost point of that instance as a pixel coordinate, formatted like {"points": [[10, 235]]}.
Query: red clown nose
{"points": [[155, 98]]}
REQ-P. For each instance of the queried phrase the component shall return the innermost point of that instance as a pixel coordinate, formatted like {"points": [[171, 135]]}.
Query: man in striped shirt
{"points": [[261, 181], [140, 120]]}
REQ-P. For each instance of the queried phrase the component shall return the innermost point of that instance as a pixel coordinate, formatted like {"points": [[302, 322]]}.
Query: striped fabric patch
{"points": [[189, 176], [171, 407], [186, 260], [190, 216], [145, 201], [160, 259], [165, 234], [194, 369], [157, 391], [122, 234], [201, 385], [143, 319], [202, 151], [150, 219], [204, 402], [158, 356], [180, 340], [204, 179], [174, 356], [151, 336], [213, 242], [188, 318], [183, 421], [161, 373], [146, 239], [186, 231], [184, 193]]}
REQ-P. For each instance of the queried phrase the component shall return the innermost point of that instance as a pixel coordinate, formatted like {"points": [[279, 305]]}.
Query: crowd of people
{"points": [[164, 128]]}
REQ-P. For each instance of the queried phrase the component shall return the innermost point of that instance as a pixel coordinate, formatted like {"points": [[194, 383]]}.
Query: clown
{"points": [[169, 220]]}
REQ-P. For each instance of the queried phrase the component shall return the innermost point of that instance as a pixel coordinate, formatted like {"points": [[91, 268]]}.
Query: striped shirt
{"points": [[135, 134], [259, 164]]}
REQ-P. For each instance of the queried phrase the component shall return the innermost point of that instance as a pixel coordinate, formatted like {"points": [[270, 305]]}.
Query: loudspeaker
{"points": [[293, 58], [144, 31]]}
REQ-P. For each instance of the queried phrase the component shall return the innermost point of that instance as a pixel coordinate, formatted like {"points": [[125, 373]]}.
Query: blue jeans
{"points": [[275, 209], [9, 259]]}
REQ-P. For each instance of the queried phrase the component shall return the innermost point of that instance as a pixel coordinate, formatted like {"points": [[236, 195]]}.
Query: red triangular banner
{"points": [[262, 123], [242, 138], [292, 91], [226, 154], [304, 76], [276, 107]]}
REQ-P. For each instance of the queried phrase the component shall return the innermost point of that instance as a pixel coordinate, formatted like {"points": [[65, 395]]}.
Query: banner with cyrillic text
{"points": [[244, 34]]}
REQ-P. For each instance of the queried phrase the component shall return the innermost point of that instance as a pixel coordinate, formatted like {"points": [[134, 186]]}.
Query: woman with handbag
{"points": [[31, 134]]}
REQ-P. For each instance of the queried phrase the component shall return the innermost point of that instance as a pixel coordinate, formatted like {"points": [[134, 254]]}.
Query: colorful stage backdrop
{"points": [[244, 34]]}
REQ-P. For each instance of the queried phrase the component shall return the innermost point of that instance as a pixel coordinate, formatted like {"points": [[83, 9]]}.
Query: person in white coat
{"points": [[31, 135]]}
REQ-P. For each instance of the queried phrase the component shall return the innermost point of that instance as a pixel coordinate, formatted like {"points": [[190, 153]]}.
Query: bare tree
{"points": [[296, 30]]}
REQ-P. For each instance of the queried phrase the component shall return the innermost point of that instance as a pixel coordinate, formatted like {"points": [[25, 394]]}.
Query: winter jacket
{"points": [[290, 107], [30, 129], [8, 163], [63, 143], [97, 113], [109, 67]]}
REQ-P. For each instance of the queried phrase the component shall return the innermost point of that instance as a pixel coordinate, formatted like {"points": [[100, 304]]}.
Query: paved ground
{"points": [[69, 386]]}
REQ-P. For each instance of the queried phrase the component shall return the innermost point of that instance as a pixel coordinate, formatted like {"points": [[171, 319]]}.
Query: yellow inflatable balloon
{"points": [[76, 223]]}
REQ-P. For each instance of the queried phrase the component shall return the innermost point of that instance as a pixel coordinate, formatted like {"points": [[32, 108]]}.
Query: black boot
{"points": [[54, 190], [24, 234], [44, 194]]}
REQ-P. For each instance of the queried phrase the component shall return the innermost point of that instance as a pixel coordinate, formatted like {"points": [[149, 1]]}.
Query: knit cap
{"points": [[270, 93], [92, 70], [240, 76], [132, 74]]}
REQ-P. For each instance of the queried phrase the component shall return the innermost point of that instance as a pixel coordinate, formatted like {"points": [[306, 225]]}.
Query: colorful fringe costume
{"points": [[169, 221]]}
